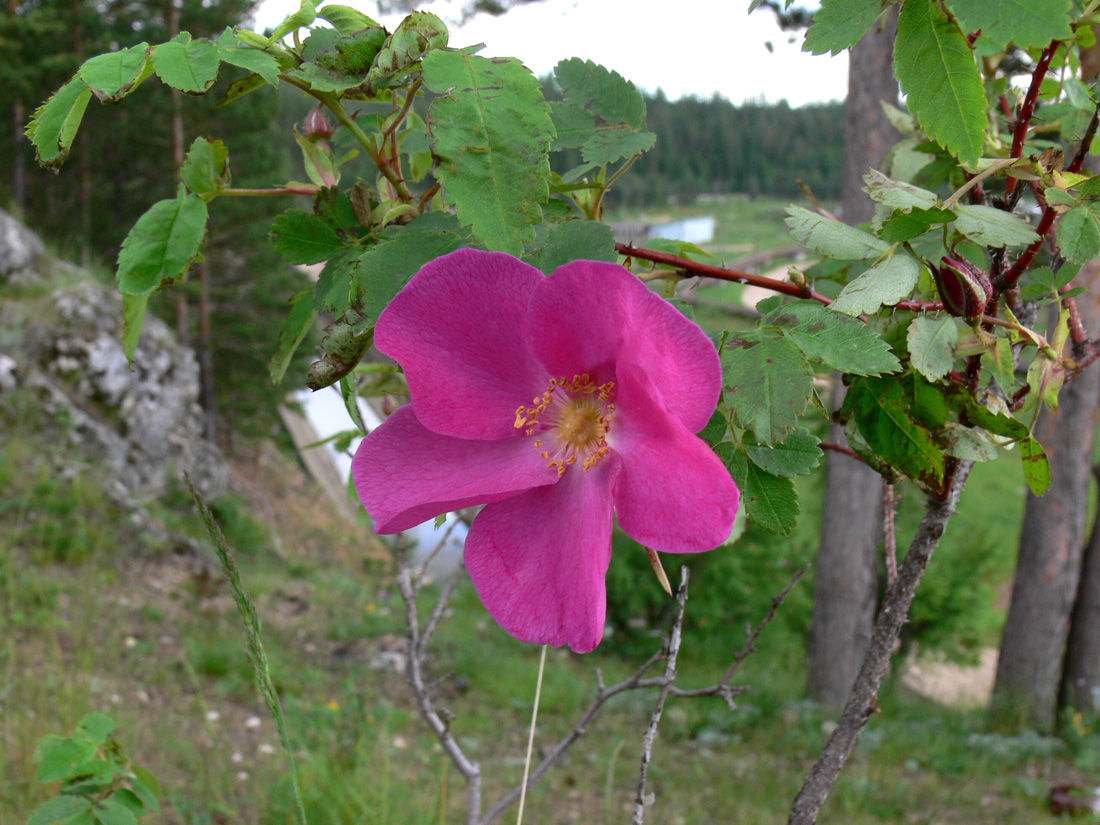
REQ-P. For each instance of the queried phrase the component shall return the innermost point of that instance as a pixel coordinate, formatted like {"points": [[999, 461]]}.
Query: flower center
{"points": [[571, 421]]}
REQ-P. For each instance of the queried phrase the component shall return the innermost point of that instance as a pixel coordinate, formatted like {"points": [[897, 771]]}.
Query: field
{"points": [[94, 616]]}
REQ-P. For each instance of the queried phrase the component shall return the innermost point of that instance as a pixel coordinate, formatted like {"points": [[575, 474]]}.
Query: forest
{"points": [[932, 331]]}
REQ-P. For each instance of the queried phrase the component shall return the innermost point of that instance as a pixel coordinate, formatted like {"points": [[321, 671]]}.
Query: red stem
{"points": [[840, 448], [1027, 108]]}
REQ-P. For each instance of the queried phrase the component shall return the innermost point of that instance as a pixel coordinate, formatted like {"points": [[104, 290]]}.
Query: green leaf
{"points": [[129, 800], [113, 76], [55, 122], [839, 24], [381, 271], [241, 87], [577, 240], [605, 93], [993, 227], [255, 61], [188, 65], [840, 341], [61, 810], [937, 72], [573, 125], [294, 330], [980, 416], [769, 500], [1079, 234], [890, 280], [112, 812], [96, 727], [417, 35], [64, 758], [904, 226], [715, 430], [968, 443], [898, 194], [1025, 23], [796, 456], [345, 19], [932, 345], [832, 238], [880, 409], [206, 168], [612, 144], [303, 238], [133, 319], [346, 65], [768, 383], [492, 131], [162, 244], [1036, 466], [147, 787]]}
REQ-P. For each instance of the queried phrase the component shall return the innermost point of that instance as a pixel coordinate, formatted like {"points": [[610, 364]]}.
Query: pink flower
{"points": [[556, 402]]}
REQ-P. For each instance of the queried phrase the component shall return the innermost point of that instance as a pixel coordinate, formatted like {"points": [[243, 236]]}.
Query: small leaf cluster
{"points": [[99, 783]]}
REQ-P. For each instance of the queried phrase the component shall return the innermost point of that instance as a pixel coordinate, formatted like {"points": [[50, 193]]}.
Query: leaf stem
{"points": [[259, 193]]}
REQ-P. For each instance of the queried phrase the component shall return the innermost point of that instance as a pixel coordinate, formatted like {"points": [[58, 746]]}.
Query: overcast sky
{"points": [[685, 47]]}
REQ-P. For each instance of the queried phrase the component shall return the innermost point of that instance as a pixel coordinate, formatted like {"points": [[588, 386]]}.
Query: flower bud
{"points": [[964, 288], [317, 126]]}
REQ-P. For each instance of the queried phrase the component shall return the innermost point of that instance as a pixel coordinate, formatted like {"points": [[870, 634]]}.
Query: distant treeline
{"points": [[713, 146]]}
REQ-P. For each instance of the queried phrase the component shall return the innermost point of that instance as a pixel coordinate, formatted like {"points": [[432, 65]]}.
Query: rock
{"points": [[21, 252]]}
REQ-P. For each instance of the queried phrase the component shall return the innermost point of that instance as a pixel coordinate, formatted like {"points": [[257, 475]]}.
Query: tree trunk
{"points": [[1081, 675], [845, 587], [1049, 567]]}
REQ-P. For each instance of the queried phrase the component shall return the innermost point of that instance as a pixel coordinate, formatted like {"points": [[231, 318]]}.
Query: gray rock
{"points": [[20, 252]]}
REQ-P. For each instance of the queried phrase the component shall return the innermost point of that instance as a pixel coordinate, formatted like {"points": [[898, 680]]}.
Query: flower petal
{"points": [[673, 494], [457, 328], [539, 560], [405, 473], [588, 314]]}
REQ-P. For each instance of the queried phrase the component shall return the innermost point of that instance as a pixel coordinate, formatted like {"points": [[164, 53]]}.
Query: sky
{"points": [[684, 47]]}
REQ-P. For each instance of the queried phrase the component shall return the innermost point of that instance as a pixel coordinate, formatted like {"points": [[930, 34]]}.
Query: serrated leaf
{"points": [[188, 65], [905, 226], [840, 341], [890, 280], [1025, 23], [492, 131], [241, 87], [303, 238], [1079, 234], [112, 812], [832, 238], [294, 330], [255, 61], [1036, 466], [932, 345], [96, 727], [606, 93], [573, 125], [880, 409], [769, 500], [346, 65], [577, 240], [612, 144], [768, 383], [937, 72], [206, 169], [345, 19], [993, 227], [796, 456], [715, 430], [56, 121], [416, 35], [60, 761], [381, 271], [113, 76], [61, 810], [839, 24], [162, 244], [898, 194]]}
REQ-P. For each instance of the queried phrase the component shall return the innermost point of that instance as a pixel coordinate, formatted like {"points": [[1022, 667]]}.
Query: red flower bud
{"points": [[964, 288], [317, 126]]}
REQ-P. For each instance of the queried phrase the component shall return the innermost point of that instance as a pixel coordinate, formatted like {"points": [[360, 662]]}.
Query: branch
{"points": [[891, 617], [1027, 109], [674, 639]]}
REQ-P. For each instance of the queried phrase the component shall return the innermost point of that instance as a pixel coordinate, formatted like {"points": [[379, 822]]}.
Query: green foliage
{"points": [[99, 783], [769, 500], [837, 340], [492, 133], [796, 456], [1079, 234], [206, 167], [831, 237], [162, 244], [1025, 23], [55, 122], [575, 241], [890, 280], [937, 72], [1036, 466], [113, 76], [931, 344], [185, 64], [768, 383], [303, 238], [839, 24]]}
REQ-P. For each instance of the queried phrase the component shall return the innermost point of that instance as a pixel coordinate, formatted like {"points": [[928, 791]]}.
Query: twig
{"points": [[440, 608], [889, 534], [414, 648], [891, 617], [840, 448], [1027, 109], [418, 576]]}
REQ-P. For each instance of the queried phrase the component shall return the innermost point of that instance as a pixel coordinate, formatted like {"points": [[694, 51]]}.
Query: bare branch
{"points": [[889, 533]]}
